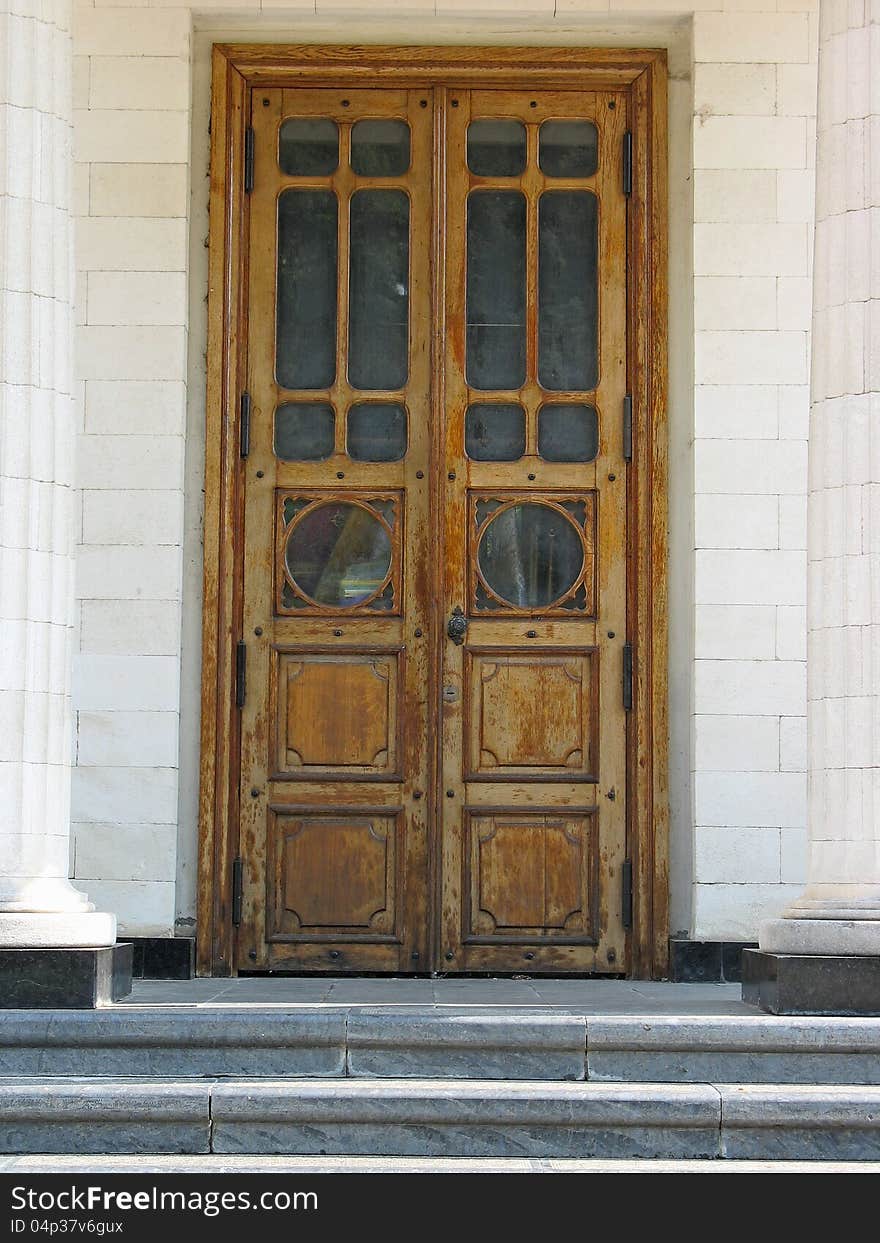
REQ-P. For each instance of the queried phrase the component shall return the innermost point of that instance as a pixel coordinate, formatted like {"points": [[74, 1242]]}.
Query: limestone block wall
{"points": [[743, 86]]}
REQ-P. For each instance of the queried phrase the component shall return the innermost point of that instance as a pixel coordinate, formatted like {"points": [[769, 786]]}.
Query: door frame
{"points": [[236, 70]]}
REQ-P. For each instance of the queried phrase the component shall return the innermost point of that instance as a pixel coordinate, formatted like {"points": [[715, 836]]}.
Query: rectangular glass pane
{"points": [[495, 432], [496, 148], [308, 147], [496, 289], [304, 431], [568, 433], [568, 148], [380, 148], [568, 245], [377, 432], [305, 329], [378, 300]]}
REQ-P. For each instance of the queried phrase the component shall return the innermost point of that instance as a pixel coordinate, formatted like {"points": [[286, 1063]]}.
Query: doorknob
{"points": [[457, 625]]}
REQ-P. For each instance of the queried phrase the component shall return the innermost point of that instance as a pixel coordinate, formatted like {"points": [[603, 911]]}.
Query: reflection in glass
{"points": [[568, 433], [377, 432], [496, 289], [568, 148], [568, 242], [380, 148], [305, 331], [339, 554], [304, 431], [496, 148], [378, 298], [308, 147], [530, 555], [495, 432]]}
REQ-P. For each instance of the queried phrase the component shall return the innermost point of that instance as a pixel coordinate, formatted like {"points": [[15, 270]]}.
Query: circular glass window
{"points": [[530, 555], [339, 554]]}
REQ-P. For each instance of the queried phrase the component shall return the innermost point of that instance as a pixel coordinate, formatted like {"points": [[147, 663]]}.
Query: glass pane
{"points": [[339, 554], [496, 148], [304, 431], [308, 147], [377, 432], [568, 241], [496, 289], [495, 433], [568, 148], [378, 299], [530, 555], [306, 325], [568, 433], [380, 148]]}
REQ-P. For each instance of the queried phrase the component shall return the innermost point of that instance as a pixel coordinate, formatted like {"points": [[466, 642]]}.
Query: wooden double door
{"points": [[433, 648]]}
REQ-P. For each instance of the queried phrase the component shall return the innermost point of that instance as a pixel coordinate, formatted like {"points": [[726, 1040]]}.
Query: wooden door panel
{"points": [[337, 715], [531, 714], [333, 875], [531, 878]]}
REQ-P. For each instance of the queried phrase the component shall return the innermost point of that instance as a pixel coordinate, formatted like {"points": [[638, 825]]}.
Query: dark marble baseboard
{"points": [[164, 958], [64, 979], [706, 962], [811, 984]]}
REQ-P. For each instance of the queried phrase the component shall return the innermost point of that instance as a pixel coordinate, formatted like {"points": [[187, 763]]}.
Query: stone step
{"points": [[438, 1042], [439, 1118]]}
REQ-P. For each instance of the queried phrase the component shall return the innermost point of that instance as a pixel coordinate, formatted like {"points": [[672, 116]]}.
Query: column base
{"points": [[828, 937], [56, 929], [64, 979], [811, 983]]}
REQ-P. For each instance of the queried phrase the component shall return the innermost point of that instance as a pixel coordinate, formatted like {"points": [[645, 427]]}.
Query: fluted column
{"points": [[38, 905], [839, 911]]}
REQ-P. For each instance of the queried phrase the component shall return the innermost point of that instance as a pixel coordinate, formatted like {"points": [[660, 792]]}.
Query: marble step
{"points": [[438, 1042], [439, 1118]]}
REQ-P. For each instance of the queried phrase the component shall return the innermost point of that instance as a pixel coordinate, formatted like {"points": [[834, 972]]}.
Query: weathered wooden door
{"points": [[433, 731]]}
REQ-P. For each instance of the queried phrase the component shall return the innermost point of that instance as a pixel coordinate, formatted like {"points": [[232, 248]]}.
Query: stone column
{"points": [[38, 905], [838, 915]]}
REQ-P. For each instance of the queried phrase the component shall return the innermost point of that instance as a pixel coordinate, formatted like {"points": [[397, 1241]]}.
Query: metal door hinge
{"points": [[627, 676], [240, 672], [628, 162], [244, 443], [626, 896], [248, 159], [627, 428], [237, 877]]}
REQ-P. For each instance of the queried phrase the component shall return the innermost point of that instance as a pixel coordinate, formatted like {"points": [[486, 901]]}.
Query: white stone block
{"points": [[795, 195], [751, 37], [735, 576], [130, 244], [735, 632], [105, 572], [126, 684], [151, 353], [135, 408], [736, 856], [130, 627], [127, 739], [133, 517], [737, 521], [794, 411], [793, 856], [797, 90], [794, 302], [139, 852], [731, 799], [728, 302], [742, 744], [738, 90], [736, 411], [735, 912], [771, 468], [115, 462], [739, 248], [791, 632], [141, 82], [140, 190], [758, 688], [133, 31], [793, 744], [122, 137], [121, 298], [750, 142], [764, 357], [142, 908], [117, 795], [734, 195]]}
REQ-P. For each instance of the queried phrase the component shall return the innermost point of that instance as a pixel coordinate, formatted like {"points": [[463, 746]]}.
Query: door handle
{"points": [[457, 625]]}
